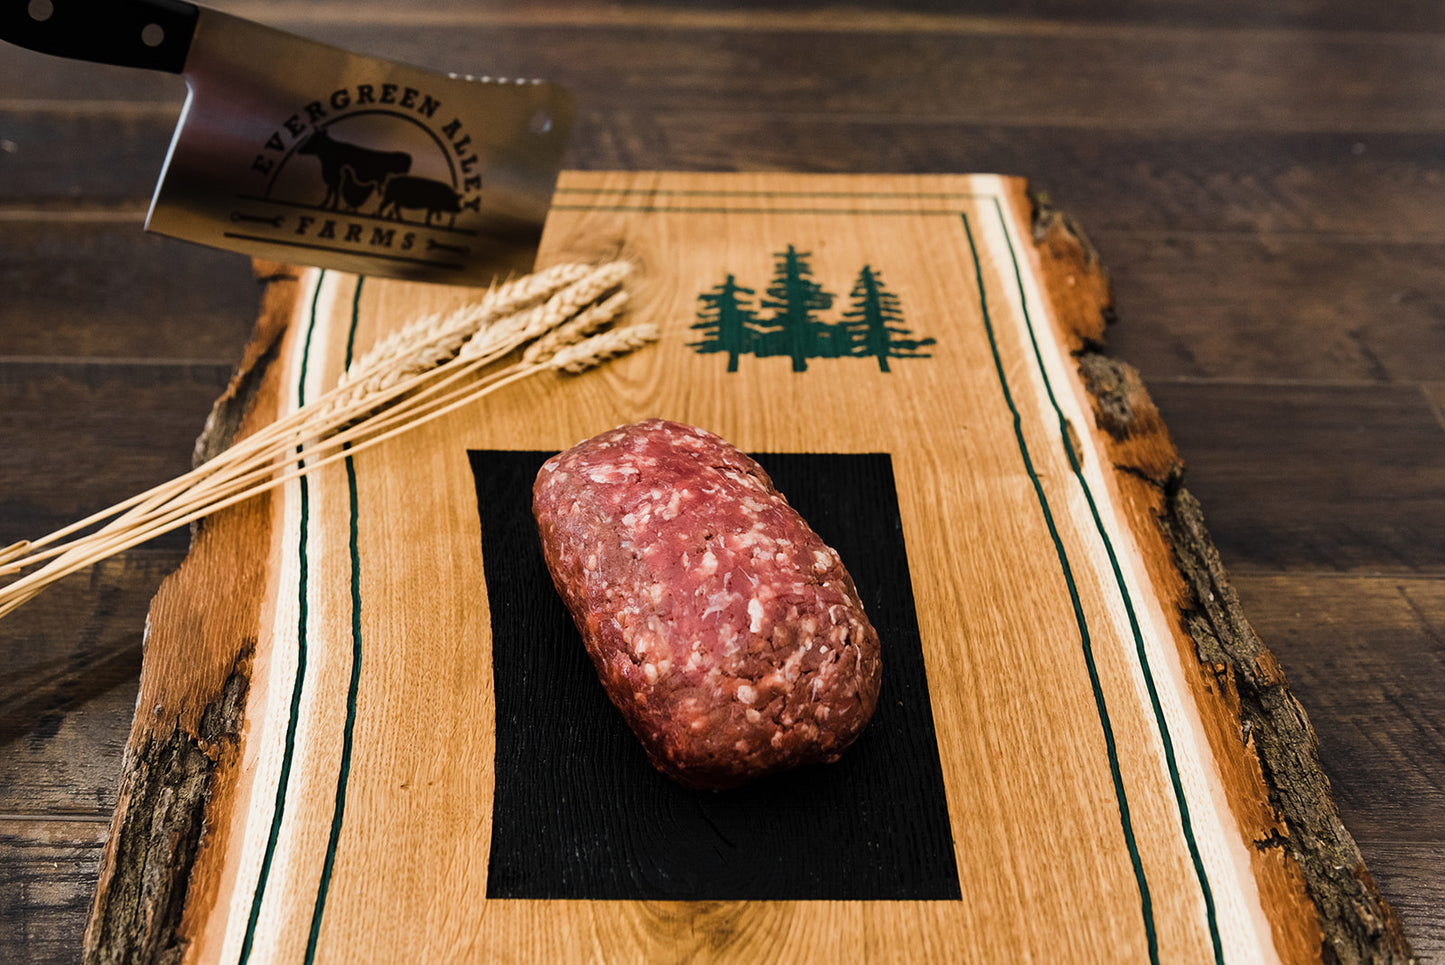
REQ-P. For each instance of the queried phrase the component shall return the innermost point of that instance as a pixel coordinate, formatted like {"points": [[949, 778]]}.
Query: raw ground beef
{"points": [[728, 634]]}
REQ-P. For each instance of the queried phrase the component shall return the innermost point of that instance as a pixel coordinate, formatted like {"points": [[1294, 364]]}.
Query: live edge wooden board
{"points": [[363, 734]]}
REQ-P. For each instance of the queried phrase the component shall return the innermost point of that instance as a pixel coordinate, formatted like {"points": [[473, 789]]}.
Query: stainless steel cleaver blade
{"points": [[296, 151]]}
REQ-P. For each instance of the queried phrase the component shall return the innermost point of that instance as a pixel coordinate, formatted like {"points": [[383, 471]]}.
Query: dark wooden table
{"points": [[1266, 183]]}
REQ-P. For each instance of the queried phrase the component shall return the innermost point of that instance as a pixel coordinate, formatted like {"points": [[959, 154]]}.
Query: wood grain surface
{"points": [[1272, 266], [1075, 734]]}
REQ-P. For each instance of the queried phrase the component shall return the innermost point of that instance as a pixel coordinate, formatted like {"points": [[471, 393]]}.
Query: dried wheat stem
{"points": [[305, 425], [256, 454], [429, 337], [590, 352], [587, 322], [536, 322], [320, 434], [404, 412], [413, 412], [599, 348], [14, 551], [125, 508], [87, 552], [127, 511], [436, 338], [279, 434], [497, 302], [220, 475], [529, 290], [581, 293]]}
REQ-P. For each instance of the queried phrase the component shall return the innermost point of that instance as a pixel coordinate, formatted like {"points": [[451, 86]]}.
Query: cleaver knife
{"points": [[295, 151]]}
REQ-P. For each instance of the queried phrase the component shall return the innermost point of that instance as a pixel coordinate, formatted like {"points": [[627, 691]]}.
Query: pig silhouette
{"points": [[408, 192]]}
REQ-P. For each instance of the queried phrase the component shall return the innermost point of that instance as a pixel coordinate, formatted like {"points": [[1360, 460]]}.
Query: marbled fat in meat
{"points": [[724, 629]]}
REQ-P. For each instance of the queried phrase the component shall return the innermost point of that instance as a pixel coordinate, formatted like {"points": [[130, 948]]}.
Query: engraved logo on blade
{"points": [[381, 172]]}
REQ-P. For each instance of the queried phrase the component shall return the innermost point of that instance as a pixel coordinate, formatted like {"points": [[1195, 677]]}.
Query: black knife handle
{"points": [[154, 34]]}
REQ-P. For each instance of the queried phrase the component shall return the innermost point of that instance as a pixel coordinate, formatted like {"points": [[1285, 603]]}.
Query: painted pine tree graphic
{"points": [[726, 322], [873, 326], [875, 322], [795, 299]]}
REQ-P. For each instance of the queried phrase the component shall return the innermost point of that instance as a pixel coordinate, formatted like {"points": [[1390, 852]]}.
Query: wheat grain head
{"points": [[590, 352]]}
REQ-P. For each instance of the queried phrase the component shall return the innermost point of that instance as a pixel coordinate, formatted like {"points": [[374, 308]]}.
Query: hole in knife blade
{"points": [[40, 10], [541, 123], [153, 35]]}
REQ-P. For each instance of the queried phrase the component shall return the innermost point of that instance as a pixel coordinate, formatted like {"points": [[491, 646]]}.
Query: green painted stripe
{"points": [[655, 209], [338, 813], [1126, 824], [723, 193], [355, 318], [1077, 469], [299, 685]]}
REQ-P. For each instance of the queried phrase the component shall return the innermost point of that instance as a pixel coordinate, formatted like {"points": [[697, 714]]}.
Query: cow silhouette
{"points": [[409, 192], [366, 166]]}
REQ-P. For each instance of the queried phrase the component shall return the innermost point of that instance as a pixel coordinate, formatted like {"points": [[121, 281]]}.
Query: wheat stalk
{"points": [[591, 352], [426, 369], [555, 311], [377, 378], [575, 358], [433, 339], [587, 322]]}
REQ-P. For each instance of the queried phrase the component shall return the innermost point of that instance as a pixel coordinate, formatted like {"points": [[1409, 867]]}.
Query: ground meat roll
{"points": [[728, 634]]}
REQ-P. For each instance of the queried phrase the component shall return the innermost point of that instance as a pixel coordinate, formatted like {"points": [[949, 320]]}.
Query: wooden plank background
{"points": [[1262, 180]]}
